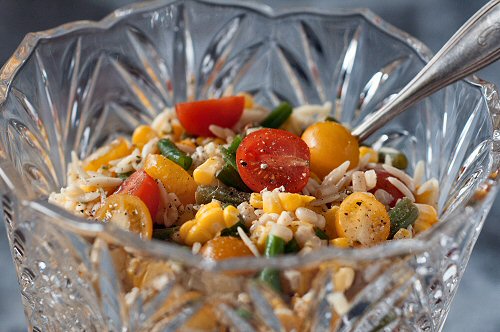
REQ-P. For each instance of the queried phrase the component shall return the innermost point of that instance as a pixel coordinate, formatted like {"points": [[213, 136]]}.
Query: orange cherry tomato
{"points": [[142, 185], [331, 145], [128, 212], [197, 116], [271, 158], [225, 247]]}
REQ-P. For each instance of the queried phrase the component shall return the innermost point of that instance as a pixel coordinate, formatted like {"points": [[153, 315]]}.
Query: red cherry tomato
{"points": [[197, 116], [384, 184], [271, 158], [142, 185]]}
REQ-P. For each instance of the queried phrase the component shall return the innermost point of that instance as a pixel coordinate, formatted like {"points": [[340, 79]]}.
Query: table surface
{"points": [[475, 307]]}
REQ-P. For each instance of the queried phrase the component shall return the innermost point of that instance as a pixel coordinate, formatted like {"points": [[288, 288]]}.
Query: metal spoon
{"points": [[475, 45]]}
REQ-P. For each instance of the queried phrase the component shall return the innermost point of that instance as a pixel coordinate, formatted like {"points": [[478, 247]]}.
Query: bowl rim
{"points": [[159, 249]]}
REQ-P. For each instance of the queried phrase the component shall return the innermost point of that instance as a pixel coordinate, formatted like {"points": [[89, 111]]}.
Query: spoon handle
{"points": [[475, 45]]}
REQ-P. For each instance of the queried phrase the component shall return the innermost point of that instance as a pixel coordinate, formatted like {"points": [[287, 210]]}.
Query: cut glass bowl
{"points": [[75, 86]]}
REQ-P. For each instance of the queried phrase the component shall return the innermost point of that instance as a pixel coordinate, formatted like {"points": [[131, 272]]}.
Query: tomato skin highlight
{"points": [[384, 184], [142, 185], [271, 158], [197, 116]]}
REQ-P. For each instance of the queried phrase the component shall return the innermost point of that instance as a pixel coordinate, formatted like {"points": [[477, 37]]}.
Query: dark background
{"points": [[476, 306]]}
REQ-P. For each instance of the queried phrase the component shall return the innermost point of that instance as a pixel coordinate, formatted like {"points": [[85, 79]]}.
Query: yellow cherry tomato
{"points": [[225, 247], [174, 178], [331, 144], [363, 219], [118, 148], [128, 212], [142, 135]]}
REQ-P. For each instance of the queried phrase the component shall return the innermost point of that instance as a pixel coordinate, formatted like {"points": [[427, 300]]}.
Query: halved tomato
{"points": [[128, 212], [384, 184], [142, 185], [271, 158], [197, 116]]}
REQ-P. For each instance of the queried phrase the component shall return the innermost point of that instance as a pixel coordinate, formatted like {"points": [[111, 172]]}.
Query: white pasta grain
{"points": [[196, 248], [103, 181], [306, 215], [383, 196], [150, 147], [336, 175], [431, 184], [76, 164], [281, 231], [401, 187], [285, 218], [328, 199], [339, 303], [370, 179], [221, 132], [402, 176], [358, 182], [247, 212], [248, 242], [418, 175]]}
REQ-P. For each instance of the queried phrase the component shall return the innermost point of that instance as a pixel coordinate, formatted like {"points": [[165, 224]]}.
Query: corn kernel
{"points": [[209, 220], [341, 242], [421, 226], [330, 216], [402, 233], [271, 202], [205, 173], [291, 202], [427, 216], [142, 135], [256, 201], [185, 228], [249, 103], [364, 150], [198, 233], [231, 215]]}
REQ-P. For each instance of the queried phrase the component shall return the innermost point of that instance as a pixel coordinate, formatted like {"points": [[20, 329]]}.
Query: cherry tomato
{"points": [[197, 116], [140, 184], [384, 184], [128, 212], [331, 145], [363, 219], [271, 158], [225, 247]]}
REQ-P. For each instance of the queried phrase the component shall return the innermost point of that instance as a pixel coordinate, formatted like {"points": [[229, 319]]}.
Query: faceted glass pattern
{"points": [[77, 86]]}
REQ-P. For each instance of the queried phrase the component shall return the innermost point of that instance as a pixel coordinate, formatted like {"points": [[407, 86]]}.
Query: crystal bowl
{"points": [[75, 86]]}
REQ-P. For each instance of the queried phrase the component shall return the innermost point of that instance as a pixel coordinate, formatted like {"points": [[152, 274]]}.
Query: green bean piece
{"points": [[229, 153], [125, 176], [230, 177], [205, 194], [172, 152], [321, 234], [233, 230], [244, 313], [165, 233], [402, 215], [275, 246], [398, 158], [278, 116], [292, 247]]}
